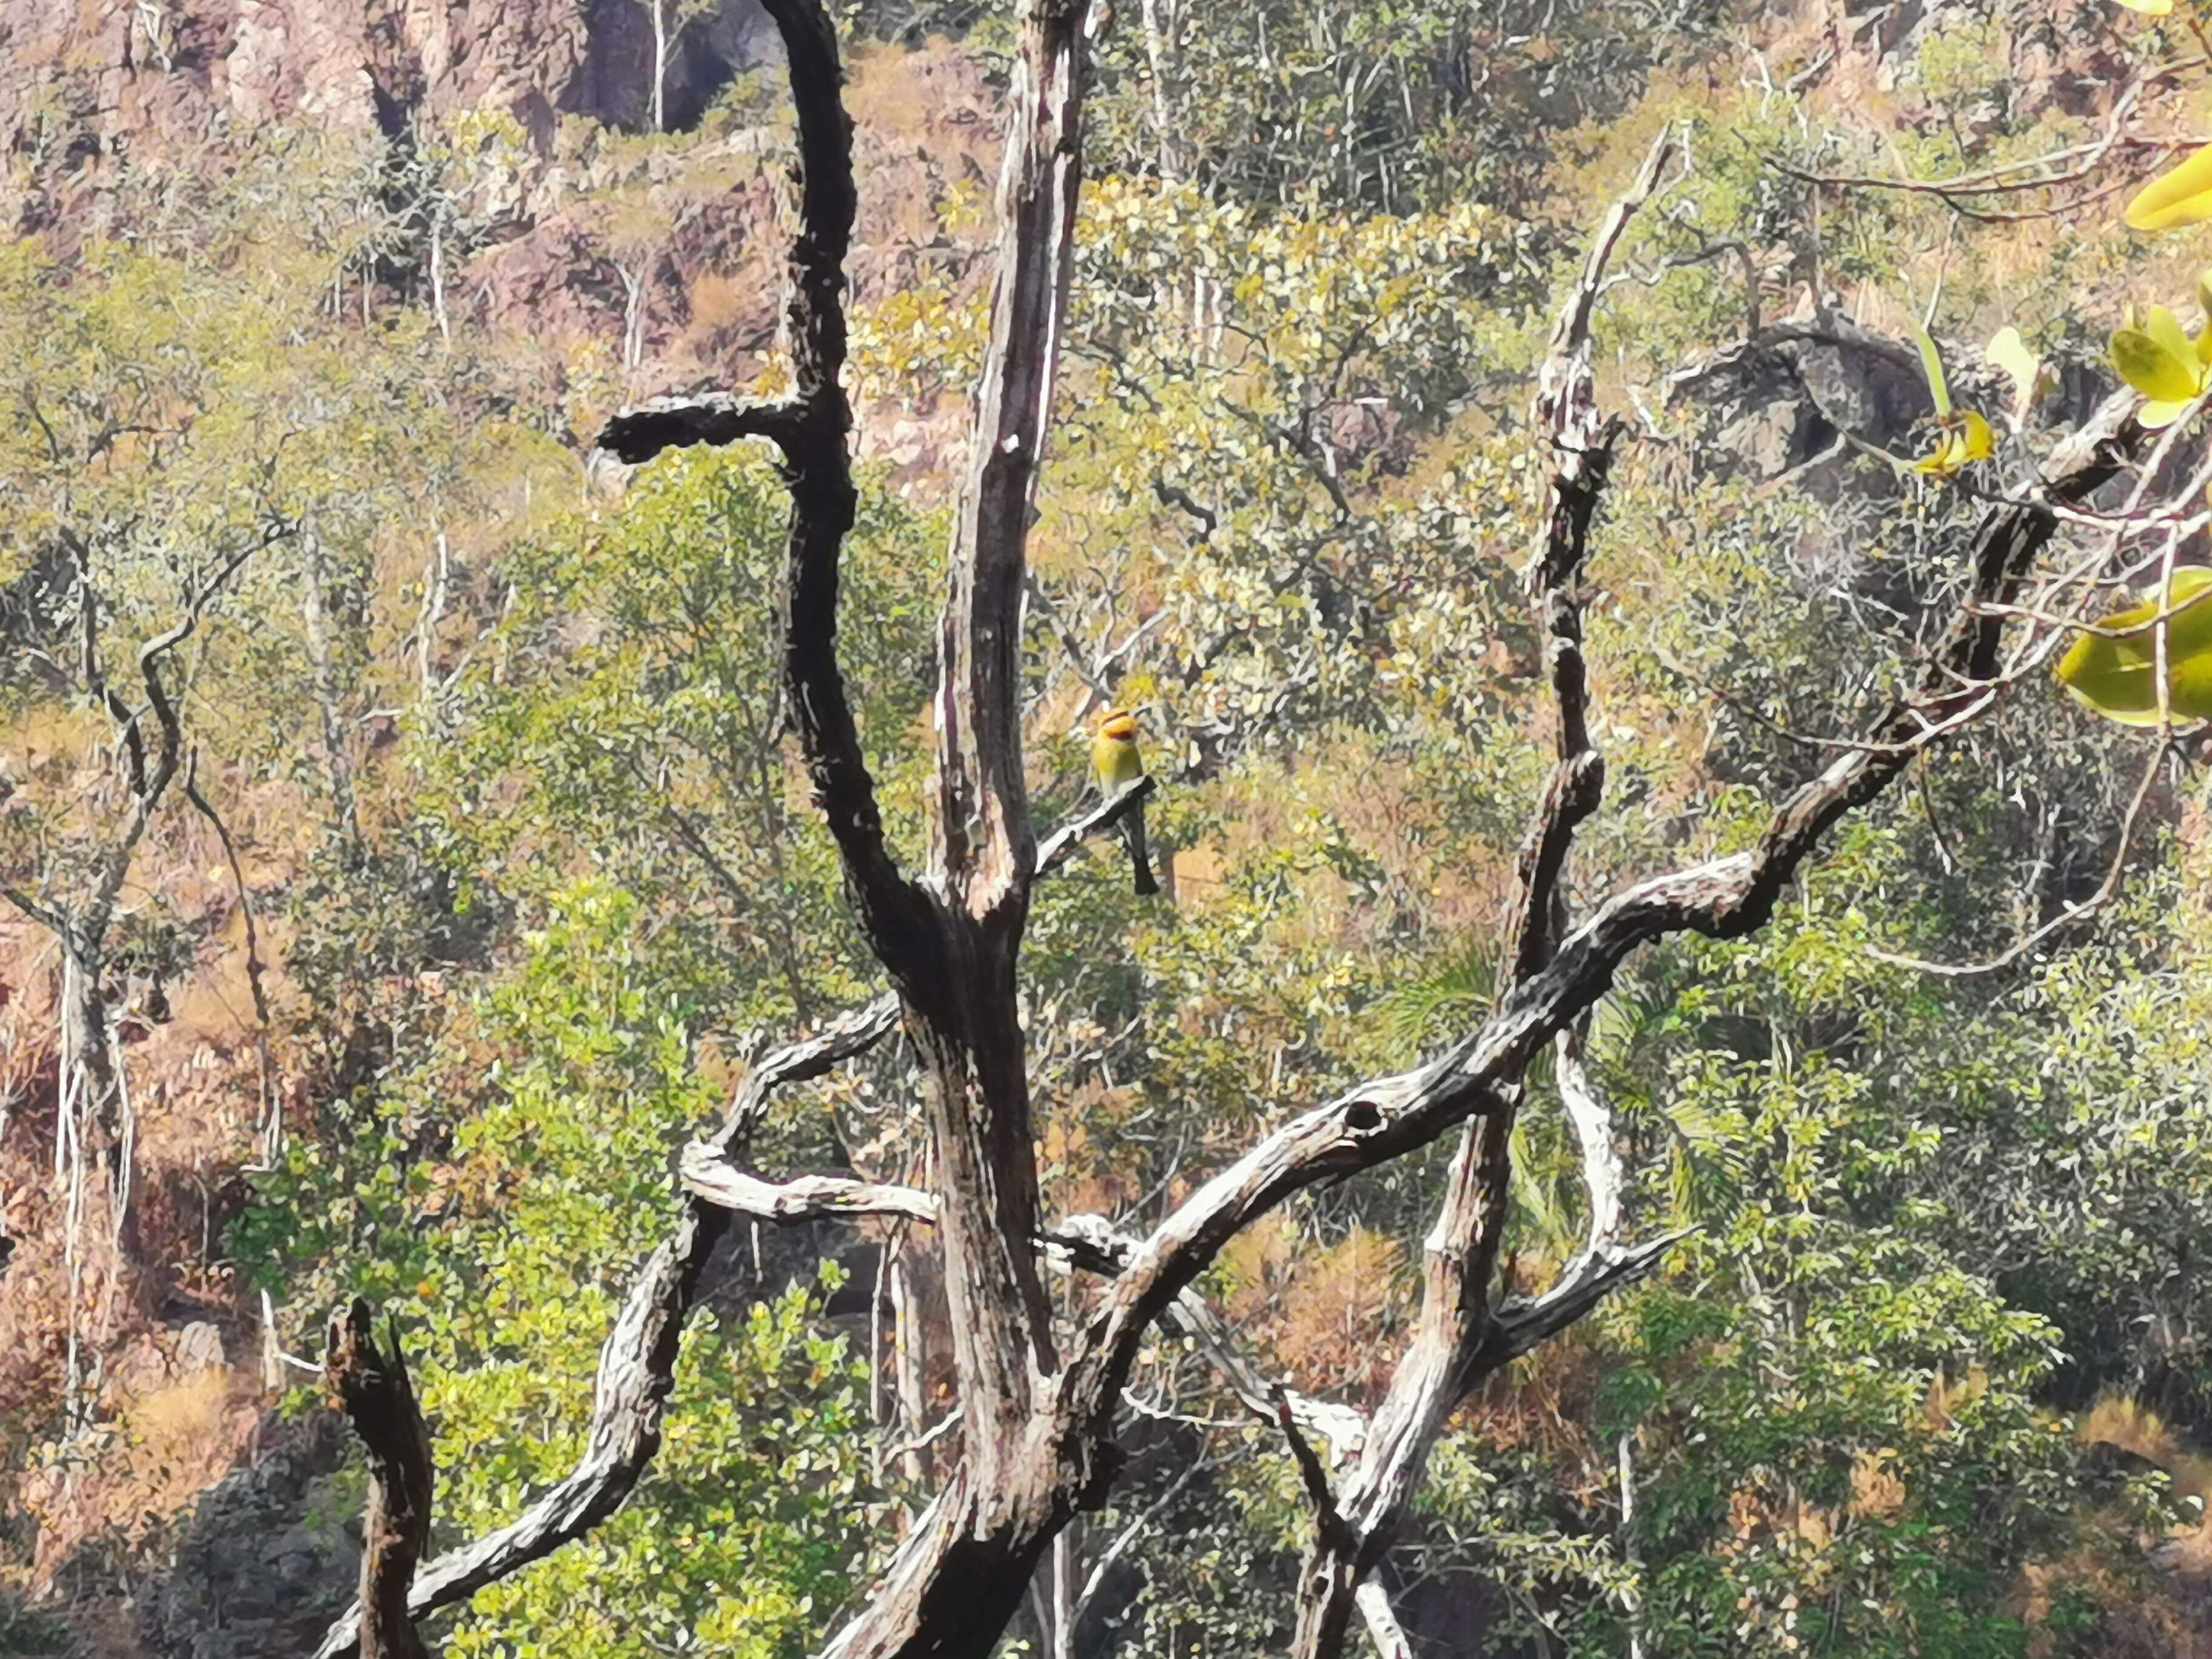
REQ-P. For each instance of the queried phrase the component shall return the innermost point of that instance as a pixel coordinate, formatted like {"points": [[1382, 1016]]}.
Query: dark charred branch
{"points": [[636, 435], [637, 1362], [637, 1369], [1176, 496], [1313, 1475], [815, 432], [959, 1576], [149, 787], [377, 1396]]}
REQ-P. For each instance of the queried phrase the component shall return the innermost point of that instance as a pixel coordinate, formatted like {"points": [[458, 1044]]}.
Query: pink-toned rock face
{"points": [[291, 61], [78, 81], [166, 79], [174, 70], [88, 87]]}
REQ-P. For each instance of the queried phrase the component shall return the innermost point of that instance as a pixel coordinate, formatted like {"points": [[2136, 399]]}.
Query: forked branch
{"points": [[1037, 1435], [1726, 897], [637, 1362], [1452, 1344]]}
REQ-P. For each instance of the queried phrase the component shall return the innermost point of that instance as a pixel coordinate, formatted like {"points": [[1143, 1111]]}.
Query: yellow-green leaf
{"points": [[2163, 327], [1931, 365], [2183, 197], [2150, 7], [1962, 441], [1944, 461], [2008, 354], [2117, 678], [2153, 369]]}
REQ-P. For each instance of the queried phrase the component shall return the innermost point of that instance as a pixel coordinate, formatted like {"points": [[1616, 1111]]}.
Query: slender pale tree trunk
{"points": [[1633, 1599], [1157, 49], [659, 64], [438, 275], [322, 661], [633, 283]]}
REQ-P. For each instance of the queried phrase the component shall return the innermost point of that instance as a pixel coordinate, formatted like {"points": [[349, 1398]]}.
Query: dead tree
{"points": [[372, 1389], [95, 1122], [1038, 1406], [1450, 1350]]}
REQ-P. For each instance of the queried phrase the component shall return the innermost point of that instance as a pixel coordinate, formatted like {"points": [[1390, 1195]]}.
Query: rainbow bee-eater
{"points": [[1115, 758]]}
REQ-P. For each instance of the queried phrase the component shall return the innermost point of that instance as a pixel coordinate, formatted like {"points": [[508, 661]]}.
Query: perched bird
{"points": [[1115, 758]]}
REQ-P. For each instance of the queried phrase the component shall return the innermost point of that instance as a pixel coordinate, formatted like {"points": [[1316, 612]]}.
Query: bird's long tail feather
{"points": [[1140, 866]]}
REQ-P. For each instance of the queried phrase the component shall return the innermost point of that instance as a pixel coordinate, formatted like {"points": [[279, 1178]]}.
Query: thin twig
{"points": [[2066, 918]]}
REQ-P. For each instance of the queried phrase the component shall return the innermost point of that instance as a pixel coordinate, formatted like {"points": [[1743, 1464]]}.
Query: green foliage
{"points": [[1257, 381], [627, 712], [1847, 1395], [2160, 673], [495, 1193], [604, 771], [27, 1632]]}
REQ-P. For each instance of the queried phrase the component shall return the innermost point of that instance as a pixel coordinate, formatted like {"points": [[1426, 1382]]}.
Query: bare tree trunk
{"points": [[1633, 1599], [659, 64], [949, 943], [153, 19], [84, 1138], [906, 1341], [438, 274], [633, 282], [273, 1109], [377, 1395], [962, 1575], [322, 660], [94, 1115], [1446, 1355], [1430, 1380], [1155, 66], [435, 581]]}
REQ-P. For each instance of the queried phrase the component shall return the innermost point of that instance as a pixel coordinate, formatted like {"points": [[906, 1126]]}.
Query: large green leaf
{"points": [[2118, 676], [2148, 360], [2183, 197], [1931, 365]]}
